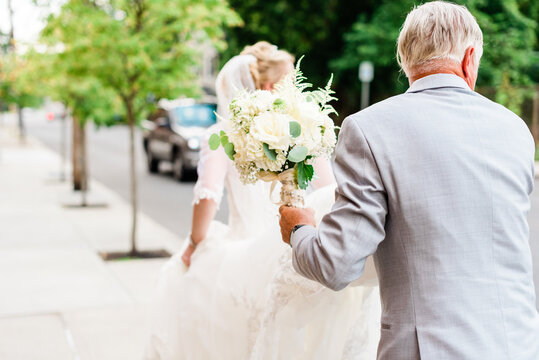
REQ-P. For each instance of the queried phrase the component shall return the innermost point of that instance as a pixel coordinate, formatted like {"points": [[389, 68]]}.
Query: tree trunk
{"points": [[535, 115], [79, 140], [63, 144], [22, 130], [132, 174], [84, 165]]}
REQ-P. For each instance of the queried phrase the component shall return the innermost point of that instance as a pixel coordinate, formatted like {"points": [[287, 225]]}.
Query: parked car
{"points": [[173, 134]]}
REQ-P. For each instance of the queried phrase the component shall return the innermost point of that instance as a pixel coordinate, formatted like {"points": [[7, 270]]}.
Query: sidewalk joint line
{"points": [[69, 338]]}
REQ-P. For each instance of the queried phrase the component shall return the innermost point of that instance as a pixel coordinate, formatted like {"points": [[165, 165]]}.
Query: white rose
{"points": [[272, 129], [309, 114]]}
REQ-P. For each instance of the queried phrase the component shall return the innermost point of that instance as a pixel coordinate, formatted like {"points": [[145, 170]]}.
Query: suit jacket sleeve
{"points": [[335, 254]]}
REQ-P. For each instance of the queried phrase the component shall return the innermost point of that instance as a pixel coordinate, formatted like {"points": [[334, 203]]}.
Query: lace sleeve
{"points": [[212, 167]]}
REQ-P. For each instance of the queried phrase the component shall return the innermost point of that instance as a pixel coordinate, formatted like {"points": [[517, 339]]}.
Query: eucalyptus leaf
{"points": [[214, 141], [229, 150], [270, 153], [298, 154], [295, 129], [224, 140]]}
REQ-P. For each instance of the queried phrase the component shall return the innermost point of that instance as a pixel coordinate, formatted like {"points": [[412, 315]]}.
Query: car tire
{"points": [[178, 168], [153, 163]]}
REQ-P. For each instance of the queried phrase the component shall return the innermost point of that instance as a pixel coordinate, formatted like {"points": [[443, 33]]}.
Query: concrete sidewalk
{"points": [[58, 299]]}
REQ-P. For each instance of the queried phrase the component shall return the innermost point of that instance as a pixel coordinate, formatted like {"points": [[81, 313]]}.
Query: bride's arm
{"points": [[208, 191], [323, 173]]}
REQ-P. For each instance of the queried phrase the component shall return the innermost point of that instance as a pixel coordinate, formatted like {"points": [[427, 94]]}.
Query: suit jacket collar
{"points": [[436, 81]]}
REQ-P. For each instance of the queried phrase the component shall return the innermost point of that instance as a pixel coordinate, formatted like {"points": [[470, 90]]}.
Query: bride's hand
{"points": [[186, 257]]}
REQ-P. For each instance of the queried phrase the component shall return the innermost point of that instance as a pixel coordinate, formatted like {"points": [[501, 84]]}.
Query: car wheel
{"points": [[178, 169], [153, 163]]}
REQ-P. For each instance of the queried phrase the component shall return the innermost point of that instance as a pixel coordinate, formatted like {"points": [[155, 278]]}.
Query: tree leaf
{"points": [[270, 153], [214, 141], [298, 154], [229, 150], [295, 129]]}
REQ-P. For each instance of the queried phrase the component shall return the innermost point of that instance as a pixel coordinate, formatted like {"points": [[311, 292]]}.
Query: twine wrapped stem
{"points": [[291, 195]]}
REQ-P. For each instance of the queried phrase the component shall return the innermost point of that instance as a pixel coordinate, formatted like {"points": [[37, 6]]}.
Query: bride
{"points": [[232, 293]]}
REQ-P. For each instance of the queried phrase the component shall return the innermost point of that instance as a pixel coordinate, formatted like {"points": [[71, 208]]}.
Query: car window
{"points": [[202, 115]]}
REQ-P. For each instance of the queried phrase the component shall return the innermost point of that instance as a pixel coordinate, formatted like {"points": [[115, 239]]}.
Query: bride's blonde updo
{"points": [[271, 65]]}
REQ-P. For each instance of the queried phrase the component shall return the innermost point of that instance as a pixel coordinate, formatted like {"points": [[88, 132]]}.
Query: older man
{"points": [[435, 183]]}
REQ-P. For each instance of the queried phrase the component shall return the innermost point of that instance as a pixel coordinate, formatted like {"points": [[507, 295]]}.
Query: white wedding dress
{"points": [[241, 299]]}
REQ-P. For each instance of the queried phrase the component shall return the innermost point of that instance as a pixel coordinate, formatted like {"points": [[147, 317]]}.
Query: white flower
{"points": [[329, 139], [272, 129], [263, 117], [246, 147], [272, 165], [308, 115], [262, 100]]}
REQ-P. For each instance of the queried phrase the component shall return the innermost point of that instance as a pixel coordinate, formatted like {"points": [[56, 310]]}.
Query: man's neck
{"points": [[446, 70]]}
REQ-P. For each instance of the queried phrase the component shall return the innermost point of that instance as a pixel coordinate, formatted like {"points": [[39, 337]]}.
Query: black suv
{"points": [[174, 132]]}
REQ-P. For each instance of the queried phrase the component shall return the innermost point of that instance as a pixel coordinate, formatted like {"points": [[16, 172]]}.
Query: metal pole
{"points": [[366, 74], [364, 94]]}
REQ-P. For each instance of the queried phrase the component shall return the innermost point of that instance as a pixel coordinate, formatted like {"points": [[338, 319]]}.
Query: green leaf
{"points": [[295, 129], [298, 154], [229, 150], [278, 103], [214, 141], [270, 153], [224, 140], [304, 174]]}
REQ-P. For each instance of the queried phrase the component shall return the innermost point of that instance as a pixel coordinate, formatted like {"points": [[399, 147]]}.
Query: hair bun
{"points": [[269, 64]]}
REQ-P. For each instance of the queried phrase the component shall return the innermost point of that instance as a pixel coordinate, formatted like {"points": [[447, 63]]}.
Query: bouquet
{"points": [[276, 136]]}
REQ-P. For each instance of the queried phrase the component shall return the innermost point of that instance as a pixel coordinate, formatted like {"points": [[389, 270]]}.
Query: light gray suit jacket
{"points": [[435, 183]]}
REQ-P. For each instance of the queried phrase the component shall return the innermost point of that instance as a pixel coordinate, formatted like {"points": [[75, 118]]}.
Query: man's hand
{"points": [[292, 216]]}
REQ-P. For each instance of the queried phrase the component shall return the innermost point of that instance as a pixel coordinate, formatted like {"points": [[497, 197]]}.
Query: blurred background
{"points": [[103, 106]]}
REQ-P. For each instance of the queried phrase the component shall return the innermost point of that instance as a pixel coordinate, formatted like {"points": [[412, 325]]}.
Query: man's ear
{"points": [[469, 68]]}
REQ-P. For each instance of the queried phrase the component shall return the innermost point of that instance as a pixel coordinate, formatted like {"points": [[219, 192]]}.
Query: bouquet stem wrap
{"points": [[291, 195]]}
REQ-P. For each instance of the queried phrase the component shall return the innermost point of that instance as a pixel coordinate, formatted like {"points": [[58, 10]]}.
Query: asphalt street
{"points": [[164, 199]]}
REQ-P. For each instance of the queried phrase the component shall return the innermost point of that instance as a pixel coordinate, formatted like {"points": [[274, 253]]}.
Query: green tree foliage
{"points": [[17, 85], [85, 97], [17, 81], [313, 28], [509, 31], [138, 50]]}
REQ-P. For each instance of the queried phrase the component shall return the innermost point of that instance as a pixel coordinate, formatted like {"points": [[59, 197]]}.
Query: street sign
{"points": [[366, 71]]}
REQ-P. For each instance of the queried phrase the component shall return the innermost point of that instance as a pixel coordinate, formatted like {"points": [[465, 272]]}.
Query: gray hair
{"points": [[437, 30]]}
